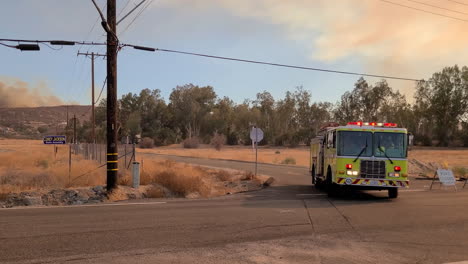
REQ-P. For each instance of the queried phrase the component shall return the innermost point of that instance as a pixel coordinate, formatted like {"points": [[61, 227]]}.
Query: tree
{"points": [[190, 105], [444, 99]]}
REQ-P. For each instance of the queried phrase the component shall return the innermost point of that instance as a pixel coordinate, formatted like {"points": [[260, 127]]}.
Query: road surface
{"points": [[290, 222]]}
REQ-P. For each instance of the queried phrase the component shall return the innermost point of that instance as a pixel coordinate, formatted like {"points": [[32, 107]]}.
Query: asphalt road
{"points": [[290, 222]]}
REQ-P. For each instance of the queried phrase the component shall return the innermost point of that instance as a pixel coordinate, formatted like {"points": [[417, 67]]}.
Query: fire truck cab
{"points": [[360, 155]]}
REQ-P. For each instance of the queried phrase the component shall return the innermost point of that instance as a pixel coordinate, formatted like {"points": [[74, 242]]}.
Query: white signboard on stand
{"points": [[445, 177]]}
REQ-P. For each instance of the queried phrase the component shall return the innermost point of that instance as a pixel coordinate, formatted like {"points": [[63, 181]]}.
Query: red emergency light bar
{"points": [[359, 123]]}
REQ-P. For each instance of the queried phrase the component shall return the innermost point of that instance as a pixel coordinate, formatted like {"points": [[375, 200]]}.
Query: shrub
{"points": [[248, 175], [42, 163], [218, 141], [155, 192], [43, 129], [3, 196], [223, 175], [289, 160], [192, 142], [178, 183], [147, 142], [277, 152], [460, 172]]}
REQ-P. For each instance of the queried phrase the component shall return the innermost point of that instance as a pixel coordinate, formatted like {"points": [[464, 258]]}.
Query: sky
{"points": [[370, 36]]}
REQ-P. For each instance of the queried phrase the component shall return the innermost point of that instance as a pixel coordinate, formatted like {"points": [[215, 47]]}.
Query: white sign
{"points": [[256, 134], [446, 177]]}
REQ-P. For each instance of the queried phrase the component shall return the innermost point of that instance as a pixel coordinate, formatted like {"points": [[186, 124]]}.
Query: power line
{"points": [[460, 3], [425, 11], [102, 89], [138, 15], [125, 6], [130, 12], [442, 8], [273, 64], [55, 42]]}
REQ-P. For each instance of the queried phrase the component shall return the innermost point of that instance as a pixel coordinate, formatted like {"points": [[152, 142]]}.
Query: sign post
{"points": [[446, 178], [256, 135]]}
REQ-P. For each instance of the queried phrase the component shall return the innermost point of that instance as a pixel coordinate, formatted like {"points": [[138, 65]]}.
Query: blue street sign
{"points": [[55, 140]]}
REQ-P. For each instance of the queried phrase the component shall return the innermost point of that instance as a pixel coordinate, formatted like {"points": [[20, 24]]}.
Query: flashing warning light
{"points": [[359, 123], [397, 168], [374, 124], [349, 166], [390, 125]]}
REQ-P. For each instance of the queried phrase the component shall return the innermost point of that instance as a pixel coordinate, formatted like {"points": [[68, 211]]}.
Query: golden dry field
{"points": [[30, 165], [300, 155]]}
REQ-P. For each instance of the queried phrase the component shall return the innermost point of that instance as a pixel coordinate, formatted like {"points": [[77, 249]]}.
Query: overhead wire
{"points": [[102, 89], [438, 7], [275, 64], [137, 16], [425, 11], [460, 3]]}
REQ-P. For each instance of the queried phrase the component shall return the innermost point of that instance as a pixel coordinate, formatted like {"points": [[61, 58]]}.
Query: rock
{"points": [[23, 199], [269, 181], [34, 200], [193, 195]]}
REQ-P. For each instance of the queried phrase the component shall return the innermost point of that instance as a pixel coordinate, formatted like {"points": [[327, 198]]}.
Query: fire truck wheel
{"points": [[393, 193], [331, 187], [314, 181]]}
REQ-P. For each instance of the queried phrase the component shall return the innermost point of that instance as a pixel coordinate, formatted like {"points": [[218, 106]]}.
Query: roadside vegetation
{"points": [[27, 165]]}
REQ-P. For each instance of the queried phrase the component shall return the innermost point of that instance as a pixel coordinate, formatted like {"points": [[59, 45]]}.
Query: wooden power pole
{"points": [[93, 116], [112, 46]]}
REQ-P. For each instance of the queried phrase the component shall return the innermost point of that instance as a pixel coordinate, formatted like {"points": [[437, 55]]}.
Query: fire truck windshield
{"points": [[351, 143], [392, 145], [379, 144]]}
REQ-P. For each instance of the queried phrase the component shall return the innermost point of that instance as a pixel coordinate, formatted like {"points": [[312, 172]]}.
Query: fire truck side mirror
{"points": [[410, 139], [330, 141]]}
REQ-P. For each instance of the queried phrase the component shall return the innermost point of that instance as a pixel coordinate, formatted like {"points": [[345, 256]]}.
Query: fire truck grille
{"points": [[373, 169]]}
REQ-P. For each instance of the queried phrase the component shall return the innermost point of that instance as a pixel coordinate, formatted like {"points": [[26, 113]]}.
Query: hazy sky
{"points": [[350, 35]]}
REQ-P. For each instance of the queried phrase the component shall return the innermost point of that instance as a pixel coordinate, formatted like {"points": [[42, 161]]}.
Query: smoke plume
{"points": [[19, 94]]}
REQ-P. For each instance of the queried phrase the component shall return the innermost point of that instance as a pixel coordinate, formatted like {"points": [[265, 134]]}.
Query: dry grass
{"points": [[181, 179], [155, 192], [453, 157], [265, 155], [29, 165]]}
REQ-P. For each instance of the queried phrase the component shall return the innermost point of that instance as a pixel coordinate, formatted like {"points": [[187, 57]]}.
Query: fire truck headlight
{"points": [[352, 173], [394, 174], [355, 173]]}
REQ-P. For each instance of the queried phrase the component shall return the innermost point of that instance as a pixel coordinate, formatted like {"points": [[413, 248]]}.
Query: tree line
{"points": [[437, 114]]}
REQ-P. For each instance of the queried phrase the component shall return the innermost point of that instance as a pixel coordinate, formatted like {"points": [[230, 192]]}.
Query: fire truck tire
{"points": [[393, 193], [312, 172], [331, 187]]}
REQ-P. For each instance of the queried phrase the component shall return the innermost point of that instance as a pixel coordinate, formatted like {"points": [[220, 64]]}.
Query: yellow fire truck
{"points": [[361, 155]]}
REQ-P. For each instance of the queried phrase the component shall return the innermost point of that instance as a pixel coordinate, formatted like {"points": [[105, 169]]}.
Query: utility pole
{"points": [[93, 116], [112, 46], [74, 129]]}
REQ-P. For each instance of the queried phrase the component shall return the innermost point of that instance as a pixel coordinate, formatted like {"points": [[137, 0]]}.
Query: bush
{"points": [[42, 163], [460, 172], [289, 160], [218, 141], [247, 176], [223, 175], [192, 142], [155, 192], [43, 129], [147, 142]]}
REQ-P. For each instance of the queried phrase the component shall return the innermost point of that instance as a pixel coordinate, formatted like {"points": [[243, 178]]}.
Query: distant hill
{"points": [[28, 121]]}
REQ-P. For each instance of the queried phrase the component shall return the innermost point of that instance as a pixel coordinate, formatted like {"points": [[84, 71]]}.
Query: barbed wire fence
{"points": [[98, 153]]}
